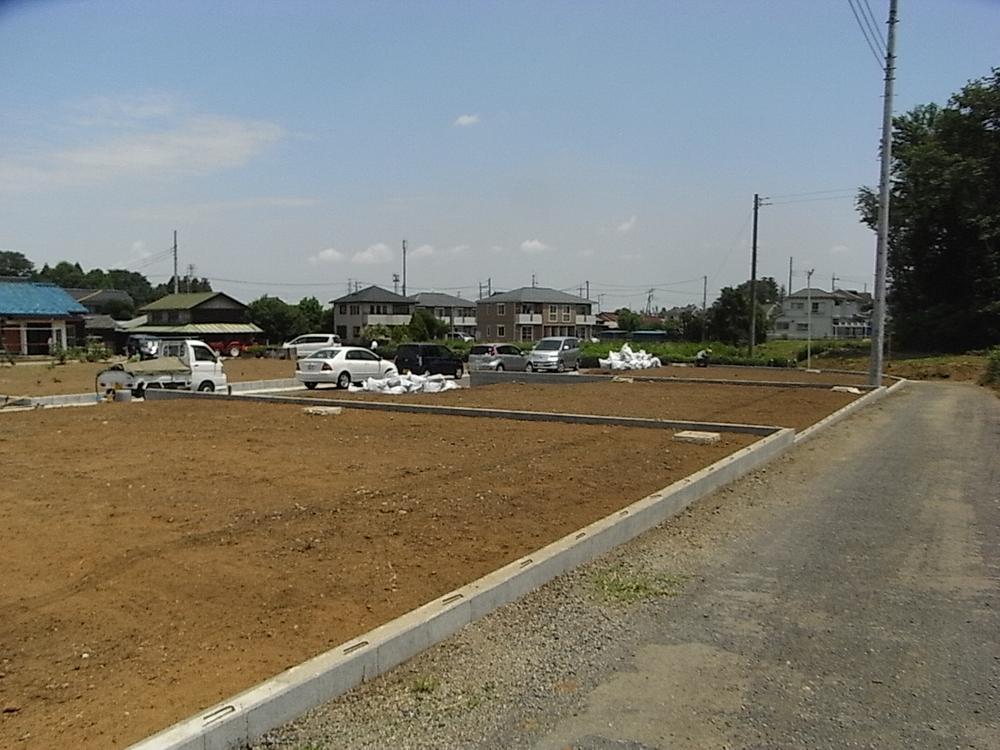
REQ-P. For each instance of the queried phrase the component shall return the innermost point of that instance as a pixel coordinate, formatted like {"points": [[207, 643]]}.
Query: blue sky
{"points": [[293, 145]]}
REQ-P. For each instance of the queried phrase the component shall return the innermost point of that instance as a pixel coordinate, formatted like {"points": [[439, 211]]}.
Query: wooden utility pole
{"points": [[878, 306], [404, 268], [704, 307]]}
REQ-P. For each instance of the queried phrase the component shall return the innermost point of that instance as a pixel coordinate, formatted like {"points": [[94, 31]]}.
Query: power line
{"points": [[732, 245], [864, 32], [873, 26], [814, 200], [811, 192]]}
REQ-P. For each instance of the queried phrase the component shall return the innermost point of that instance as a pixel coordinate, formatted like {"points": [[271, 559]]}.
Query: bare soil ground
{"points": [[159, 557], [964, 368], [30, 379], [729, 372], [764, 405]]}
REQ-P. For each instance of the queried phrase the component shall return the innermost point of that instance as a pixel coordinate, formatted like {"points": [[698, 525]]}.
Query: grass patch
{"points": [[424, 685], [621, 585]]}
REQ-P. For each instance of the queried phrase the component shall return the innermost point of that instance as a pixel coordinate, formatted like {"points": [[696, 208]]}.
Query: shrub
{"points": [[991, 376]]}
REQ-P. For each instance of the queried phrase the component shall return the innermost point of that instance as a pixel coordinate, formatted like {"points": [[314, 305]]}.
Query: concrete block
{"points": [[324, 411], [698, 437]]}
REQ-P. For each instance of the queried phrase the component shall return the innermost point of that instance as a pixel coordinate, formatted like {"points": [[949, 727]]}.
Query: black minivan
{"points": [[424, 359]]}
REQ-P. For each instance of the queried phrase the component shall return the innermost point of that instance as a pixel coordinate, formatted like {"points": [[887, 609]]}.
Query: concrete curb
{"points": [[845, 411], [279, 384], [246, 716], [468, 411], [489, 377]]}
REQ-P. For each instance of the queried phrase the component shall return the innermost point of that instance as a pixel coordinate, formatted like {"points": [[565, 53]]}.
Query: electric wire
{"points": [[873, 26], [864, 33]]}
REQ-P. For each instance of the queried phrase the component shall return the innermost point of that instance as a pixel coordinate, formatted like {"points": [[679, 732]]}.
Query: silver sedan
{"points": [[497, 357], [342, 366]]}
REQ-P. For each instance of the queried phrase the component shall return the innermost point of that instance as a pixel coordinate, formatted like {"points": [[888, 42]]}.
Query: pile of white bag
{"points": [[626, 359], [397, 385]]}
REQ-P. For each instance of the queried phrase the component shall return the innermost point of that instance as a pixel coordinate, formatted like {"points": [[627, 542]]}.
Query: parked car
{"points": [[458, 336], [497, 357], [303, 346], [422, 359], [342, 366], [559, 353]]}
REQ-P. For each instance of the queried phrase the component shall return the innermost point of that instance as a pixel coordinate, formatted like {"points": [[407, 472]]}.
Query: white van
{"points": [[303, 346]]}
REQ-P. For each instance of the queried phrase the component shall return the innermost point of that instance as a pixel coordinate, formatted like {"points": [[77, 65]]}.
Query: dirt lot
{"points": [[785, 407], [78, 377], [724, 372], [162, 556]]}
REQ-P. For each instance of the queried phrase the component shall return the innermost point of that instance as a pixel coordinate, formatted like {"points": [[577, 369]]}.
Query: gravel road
{"points": [[848, 595]]}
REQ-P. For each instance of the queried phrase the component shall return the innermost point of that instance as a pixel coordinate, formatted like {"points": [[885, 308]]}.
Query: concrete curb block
{"points": [[468, 411], [489, 377], [279, 384], [845, 411], [247, 716]]}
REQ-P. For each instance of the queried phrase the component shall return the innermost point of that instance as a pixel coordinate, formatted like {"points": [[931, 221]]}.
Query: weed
{"points": [[424, 685], [991, 376], [623, 585]]}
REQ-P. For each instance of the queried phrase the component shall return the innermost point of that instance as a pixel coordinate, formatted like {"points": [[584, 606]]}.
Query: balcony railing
{"points": [[525, 319], [388, 320]]}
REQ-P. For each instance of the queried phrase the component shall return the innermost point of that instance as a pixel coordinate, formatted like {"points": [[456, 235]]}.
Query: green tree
{"points": [[768, 291], [311, 315], [628, 320], [729, 317], [424, 326], [944, 222], [279, 320], [15, 264], [65, 274]]}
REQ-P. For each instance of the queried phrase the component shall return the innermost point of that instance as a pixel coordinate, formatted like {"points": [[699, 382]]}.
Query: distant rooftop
{"points": [[539, 294], [24, 299], [373, 294]]}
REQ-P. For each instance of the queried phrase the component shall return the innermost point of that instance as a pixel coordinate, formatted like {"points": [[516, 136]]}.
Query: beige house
{"points": [[531, 313], [458, 313], [819, 314], [370, 306]]}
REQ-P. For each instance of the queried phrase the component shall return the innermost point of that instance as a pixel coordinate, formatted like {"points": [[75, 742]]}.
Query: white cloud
{"points": [[534, 246], [839, 250], [139, 249], [626, 226], [497, 249], [125, 110], [424, 251], [329, 255], [464, 121], [373, 254], [459, 250], [200, 145], [190, 212]]}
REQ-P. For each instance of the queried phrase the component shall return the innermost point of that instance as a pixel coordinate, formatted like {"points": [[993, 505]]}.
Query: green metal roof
{"points": [[185, 301], [200, 329]]}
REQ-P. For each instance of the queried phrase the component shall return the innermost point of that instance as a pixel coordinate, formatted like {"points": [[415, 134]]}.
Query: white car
{"points": [[303, 346], [342, 366]]}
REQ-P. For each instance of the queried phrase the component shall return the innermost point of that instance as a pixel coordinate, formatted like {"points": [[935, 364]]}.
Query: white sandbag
{"points": [[627, 359]]}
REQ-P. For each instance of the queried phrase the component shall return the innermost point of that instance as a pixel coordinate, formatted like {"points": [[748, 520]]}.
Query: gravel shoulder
{"points": [[848, 595]]}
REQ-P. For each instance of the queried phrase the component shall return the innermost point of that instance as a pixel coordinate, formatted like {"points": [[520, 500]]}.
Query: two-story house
{"points": [[458, 313], [531, 313], [221, 321], [370, 306], [839, 314]]}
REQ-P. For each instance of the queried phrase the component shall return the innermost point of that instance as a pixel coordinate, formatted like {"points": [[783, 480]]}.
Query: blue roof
{"points": [[30, 299]]}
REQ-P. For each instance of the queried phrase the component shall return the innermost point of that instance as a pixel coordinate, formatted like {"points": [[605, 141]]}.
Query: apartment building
{"points": [[458, 313], [530, 313], [370, 306]]}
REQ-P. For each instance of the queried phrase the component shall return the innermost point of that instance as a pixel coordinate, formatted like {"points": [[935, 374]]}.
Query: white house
{"points": [[839, 314]]}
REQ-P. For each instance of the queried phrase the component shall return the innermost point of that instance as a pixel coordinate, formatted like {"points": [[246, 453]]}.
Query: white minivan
{"points": [[303, 346]]}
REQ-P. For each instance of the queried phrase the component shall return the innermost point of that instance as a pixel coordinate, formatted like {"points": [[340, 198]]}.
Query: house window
{"points": [[815, 307], [343, 309], [565, 313], [553, 312], [527, 333], [798, 306], [501, 331], [355, 309], [439, 312], [356, 332], [801, 326], [501, 310], [781, 325], [489, 332]]}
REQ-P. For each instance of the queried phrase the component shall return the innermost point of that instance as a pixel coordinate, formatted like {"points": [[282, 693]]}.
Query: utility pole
{"points": [[489, 286], [809, 318], [480, 290], [753, 275], [878, 307], [176, 280], [190, 275], [588, 290], [350, 285], [789, 289], [704, 307], [833, 283], [649, 302], [580, 290], [532, 281], [395, 283], [600, 303], [404, 268]]}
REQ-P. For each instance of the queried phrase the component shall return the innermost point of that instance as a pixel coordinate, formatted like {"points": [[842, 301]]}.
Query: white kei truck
{"points": [[183, 364]]}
